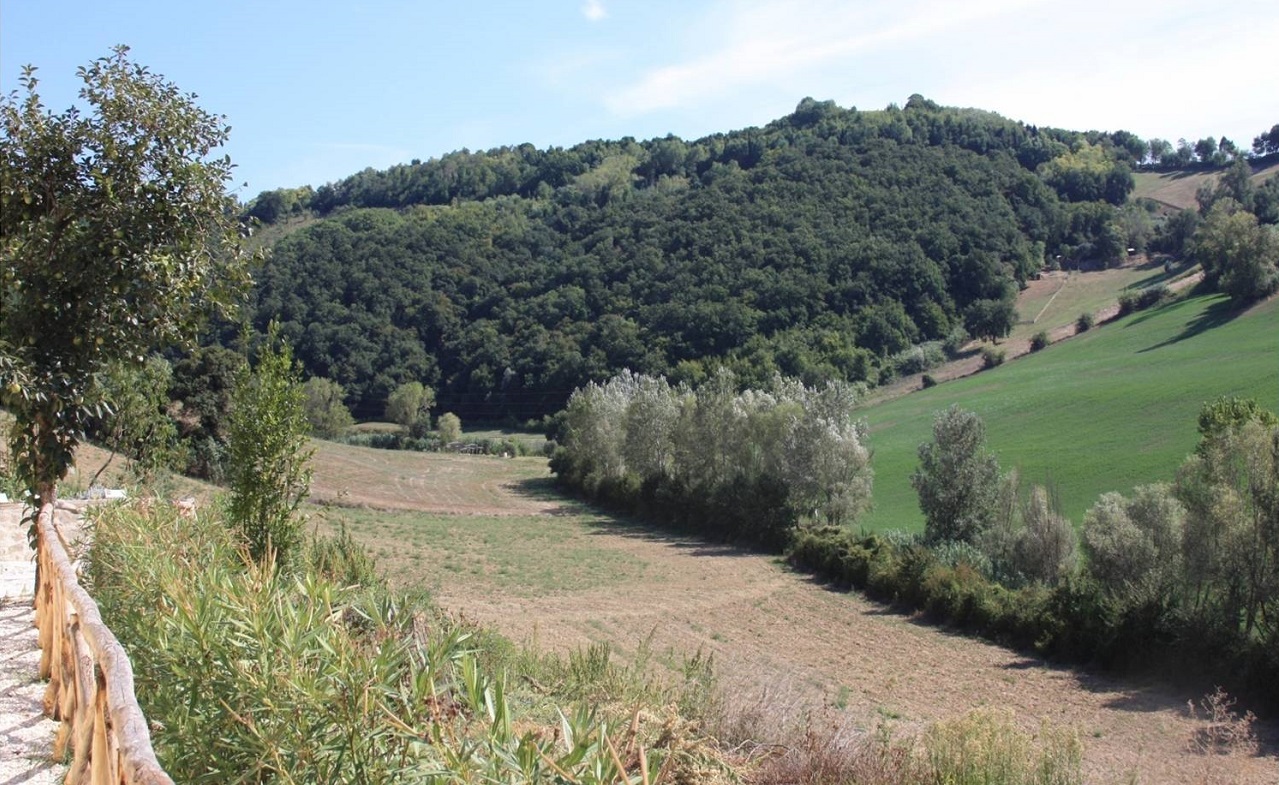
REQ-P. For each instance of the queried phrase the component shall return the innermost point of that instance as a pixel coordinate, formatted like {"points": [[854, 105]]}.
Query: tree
{"points": [[1206, 150], [1160, 150], [139, 424], [449, 427], [1267, 142], [1044, 550], [267, 454], [410, 406], [325, 407], [1230, 489], [990, 319], [1237, 254], [1134, 546], [118, 235], [957, 479], [1220, 416]]}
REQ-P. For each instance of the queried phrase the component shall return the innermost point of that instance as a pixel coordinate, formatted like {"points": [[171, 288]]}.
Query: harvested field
{"points": [[565, 577], [432, 482]]}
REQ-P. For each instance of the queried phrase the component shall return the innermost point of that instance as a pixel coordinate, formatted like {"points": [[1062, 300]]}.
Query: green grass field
{"points": [[1110, 409]]}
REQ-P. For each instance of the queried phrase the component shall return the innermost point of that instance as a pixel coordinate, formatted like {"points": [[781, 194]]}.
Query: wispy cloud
{"points": [[776, 41], [594, 10]]}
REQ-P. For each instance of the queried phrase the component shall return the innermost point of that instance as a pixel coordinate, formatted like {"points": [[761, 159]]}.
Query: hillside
{"points": [[1176, 190], [817, 246], [1107, 410]]}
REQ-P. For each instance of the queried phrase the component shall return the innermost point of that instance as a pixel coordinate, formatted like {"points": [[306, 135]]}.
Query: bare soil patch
{"points": [[779, 639]]}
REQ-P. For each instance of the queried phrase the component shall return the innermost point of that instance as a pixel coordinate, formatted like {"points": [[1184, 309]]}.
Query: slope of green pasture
{"points": [[1107, 410]]}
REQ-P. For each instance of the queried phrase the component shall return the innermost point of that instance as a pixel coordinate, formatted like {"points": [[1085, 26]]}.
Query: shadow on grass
{"points": [[602, 521], [1215, 315], [544, 489]]}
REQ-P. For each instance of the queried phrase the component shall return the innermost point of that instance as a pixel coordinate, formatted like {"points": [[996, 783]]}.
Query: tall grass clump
{"points": [[249, 673]]}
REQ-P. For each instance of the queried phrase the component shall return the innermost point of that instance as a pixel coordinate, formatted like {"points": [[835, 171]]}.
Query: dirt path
{"points": [[26, 735], [787, 644]]}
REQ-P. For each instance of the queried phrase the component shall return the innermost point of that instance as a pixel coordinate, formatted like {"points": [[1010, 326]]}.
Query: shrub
{"points": [[1130, 301], [1084, 323], [267, 456], [991, 357], [987, 746], [1127, 302], [449, 427], [928, 381], [917, 359], [294, 678], [955, 341], [1039, 341]]}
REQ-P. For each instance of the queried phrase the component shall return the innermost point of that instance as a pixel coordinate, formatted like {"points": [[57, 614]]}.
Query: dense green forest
{"points": [[823, 246]]}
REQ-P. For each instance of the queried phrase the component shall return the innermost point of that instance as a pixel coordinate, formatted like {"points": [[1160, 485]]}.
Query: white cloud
{"points": [[781, 42], [594, 10], [1161, 70]]}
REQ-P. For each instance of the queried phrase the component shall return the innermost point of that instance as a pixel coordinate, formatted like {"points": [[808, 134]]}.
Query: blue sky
{"points": [[318, 90]]}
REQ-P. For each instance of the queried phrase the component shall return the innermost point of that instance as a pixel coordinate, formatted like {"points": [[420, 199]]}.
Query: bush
{"points": [[1084, 323], [991, 357], [300, 679], [928, 381], [955, 341], [917, 359], [1131, 301], [266, 460], [1039, 341]]}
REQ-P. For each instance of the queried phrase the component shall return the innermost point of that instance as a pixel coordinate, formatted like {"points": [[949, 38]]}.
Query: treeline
{"points": [[818, 246], [748, 466]]}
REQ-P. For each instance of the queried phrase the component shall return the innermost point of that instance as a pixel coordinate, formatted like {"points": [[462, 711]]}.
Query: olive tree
{"points": [[118, 235]]}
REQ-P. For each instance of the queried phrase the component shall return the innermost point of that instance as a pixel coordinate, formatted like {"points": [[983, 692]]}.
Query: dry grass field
{"points": [[1177, 189], [493, 542]]}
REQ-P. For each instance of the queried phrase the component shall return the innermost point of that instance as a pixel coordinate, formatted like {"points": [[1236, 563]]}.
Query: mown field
{"points": [[787, 650], [1104, 411], [1177, 189]]}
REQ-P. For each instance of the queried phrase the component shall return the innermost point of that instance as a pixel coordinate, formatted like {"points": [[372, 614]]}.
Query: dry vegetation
{"points": [[1177, 189], [795, 658]]}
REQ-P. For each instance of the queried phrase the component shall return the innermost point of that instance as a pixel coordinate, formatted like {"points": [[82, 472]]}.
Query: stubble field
{"points": [[548, 571]]}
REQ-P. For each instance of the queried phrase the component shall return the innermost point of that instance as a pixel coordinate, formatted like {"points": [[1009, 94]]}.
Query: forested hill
{"points": [[819, 246]]}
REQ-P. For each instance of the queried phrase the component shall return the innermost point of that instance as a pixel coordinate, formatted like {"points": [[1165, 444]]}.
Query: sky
{"points": [[315, 91]]}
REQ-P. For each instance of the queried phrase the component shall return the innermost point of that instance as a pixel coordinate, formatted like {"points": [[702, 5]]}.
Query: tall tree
{"points": [[118, 234], [957, 479], [1237, 254]]}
